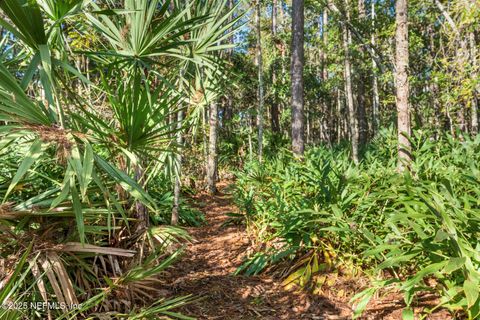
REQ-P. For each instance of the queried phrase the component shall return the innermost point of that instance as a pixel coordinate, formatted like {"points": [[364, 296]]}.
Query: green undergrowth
{"points": [[414, 233]]}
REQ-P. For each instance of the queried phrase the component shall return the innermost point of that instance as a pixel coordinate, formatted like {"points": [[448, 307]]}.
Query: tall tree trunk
{"points": [[325, 43], [260, 81], [462, 61], [228, 106], [402, 85], [352, 115], [307, 123], [476, 90], [212, 149], [339, 116], [274, 110], [283, 64], [361, 107], [298, 121], [204, 139], [375, 98], [177, 186], [324, 119], [250, 134]]}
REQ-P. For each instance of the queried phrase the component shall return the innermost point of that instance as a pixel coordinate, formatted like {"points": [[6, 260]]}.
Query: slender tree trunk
{"points": [[298, 121], [274, 110], [177, 186], [260, 81], [205, 118], [339, 116], [375, 98], [307, 123], [324, 120], [352, 115], [250, 144], [228, 114], [361, 107], [212, 149], [462, 61], [325, 44], [281, 23], [476, 90], [402, 85]]}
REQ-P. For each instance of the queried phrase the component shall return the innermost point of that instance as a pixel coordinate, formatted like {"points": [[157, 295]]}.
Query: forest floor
{"points": [[206, 271]]}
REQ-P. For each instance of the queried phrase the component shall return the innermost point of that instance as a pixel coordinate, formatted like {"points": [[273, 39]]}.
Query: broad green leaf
{"points": [[471, 289], [454, 264]]}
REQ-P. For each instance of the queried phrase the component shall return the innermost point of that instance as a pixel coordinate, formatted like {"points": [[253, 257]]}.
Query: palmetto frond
{"points": [[94, 158]]}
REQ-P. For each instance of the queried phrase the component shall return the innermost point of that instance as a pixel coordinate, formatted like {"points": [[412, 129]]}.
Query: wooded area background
{"points": [[347, 131]]}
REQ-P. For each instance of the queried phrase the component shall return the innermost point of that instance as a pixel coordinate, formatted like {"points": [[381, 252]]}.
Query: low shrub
{"points": [[420, 229]]}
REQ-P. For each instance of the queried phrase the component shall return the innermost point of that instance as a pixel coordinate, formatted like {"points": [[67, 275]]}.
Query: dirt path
{"points": [[206, 270]]}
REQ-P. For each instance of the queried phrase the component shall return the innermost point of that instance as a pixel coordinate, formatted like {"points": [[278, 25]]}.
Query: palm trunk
{"points": [[298, 121], [402, 85]]}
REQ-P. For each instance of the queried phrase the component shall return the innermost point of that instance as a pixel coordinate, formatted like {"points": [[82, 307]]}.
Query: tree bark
{"points": [[228, 106], [324, 117], [259, 56], [402, 85], [352, 115], [298, 121], [375, 98], [361, 107], [476, 90], [339, 116], [212, 149], [325, 44], [274, 109]]}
